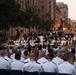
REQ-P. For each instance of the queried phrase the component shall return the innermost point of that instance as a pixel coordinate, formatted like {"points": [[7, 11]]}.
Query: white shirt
{"points": [[8, 59], [26, 60], [67, 68], [10, 50], [17, 65], [17, 43], [32, 66], [57, 60], [46, 51], [53, 41], [32, 43], [41, 38], [75, 65], [13, 58], [42, 60], [49, 67], [63, 42], [4, 64]]}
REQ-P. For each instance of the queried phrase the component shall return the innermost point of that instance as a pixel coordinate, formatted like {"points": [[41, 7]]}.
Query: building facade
{"points": [[45, 7], [31, 2], [64, 10], [58, 19]]}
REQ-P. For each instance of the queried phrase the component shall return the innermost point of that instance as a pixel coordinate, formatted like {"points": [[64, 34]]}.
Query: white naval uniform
{"points": [[4, 64], [13, 58], [57, 60], [27, 60], [8, 59], [41, 40], [32, 43], [32, 66], [46, 51], [49, 67], [42, 60], [67, 68], [17, 65], [75, 65], [17, 42]]}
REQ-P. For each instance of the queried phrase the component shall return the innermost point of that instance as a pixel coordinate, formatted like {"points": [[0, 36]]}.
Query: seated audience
{"points": [[17, 64], [32, 66], [49, 66]]}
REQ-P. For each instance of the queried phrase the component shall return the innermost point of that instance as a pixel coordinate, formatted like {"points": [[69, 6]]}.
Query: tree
{"points": [[46, 23], [31, 17], [9, 13]]}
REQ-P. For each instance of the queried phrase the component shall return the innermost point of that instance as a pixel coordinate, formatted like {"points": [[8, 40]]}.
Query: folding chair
{"points": [[47, 73], [15, 72], [63, 74], [3, 72], [31, 73]]}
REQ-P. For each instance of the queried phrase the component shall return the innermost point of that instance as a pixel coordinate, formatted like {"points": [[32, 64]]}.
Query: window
{"points": [[49, 1], [42, 16], [21, 0], [42, 1], [22, 3], [42, 7]]}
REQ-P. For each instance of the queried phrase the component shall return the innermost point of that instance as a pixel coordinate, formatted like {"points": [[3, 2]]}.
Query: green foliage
{"points": [[31, 16], [12, 16], [46, 23], [9, 12]]}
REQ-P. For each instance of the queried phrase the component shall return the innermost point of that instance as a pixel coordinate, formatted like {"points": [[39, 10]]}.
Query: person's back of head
{"points": [[11, 47], [71, 58], [14, 50], [32, 57], [50, 50], [25, 53], [73, 50], [2, 53], [18, 52], [42, 54], [35, 51], [50, 56], [59, 54], [66, 56], [6, 53], [17, 56]]}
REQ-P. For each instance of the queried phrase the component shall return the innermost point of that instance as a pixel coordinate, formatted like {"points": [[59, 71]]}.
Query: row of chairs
{"points": [[17, 72]]}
